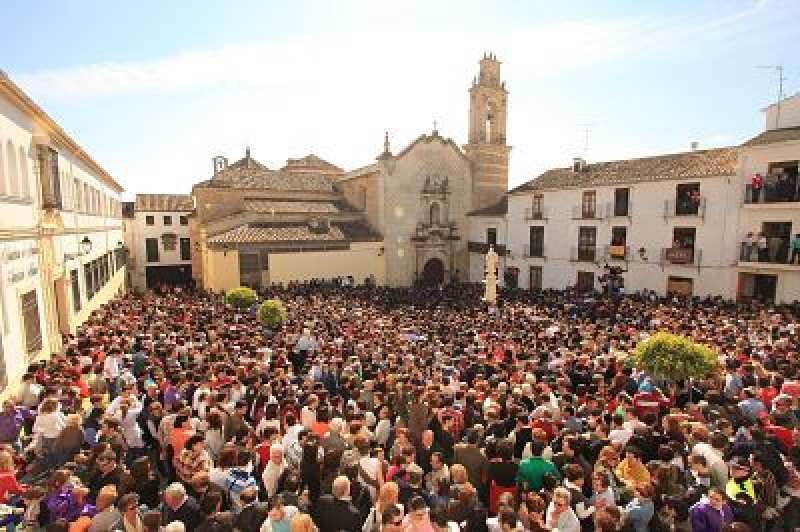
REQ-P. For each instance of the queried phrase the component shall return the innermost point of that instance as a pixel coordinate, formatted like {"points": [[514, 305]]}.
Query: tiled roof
{"points": [[249, 173], [163, 202], [311, 163], [278, 233], [775, 135], [284, 207], [496, 209], [687, 165]]}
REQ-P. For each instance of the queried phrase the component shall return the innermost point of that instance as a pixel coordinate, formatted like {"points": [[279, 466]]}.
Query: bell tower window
{"points": [[436, 214]]}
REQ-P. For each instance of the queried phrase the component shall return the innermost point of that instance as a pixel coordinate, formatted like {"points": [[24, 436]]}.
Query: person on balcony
{"points": [[750, 251], [763, 254], [756, 184], [794, 247]]}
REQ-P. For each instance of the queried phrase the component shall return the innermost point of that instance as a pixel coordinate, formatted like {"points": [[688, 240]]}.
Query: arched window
{"points": [[436, 214], [489, 123], [13, 170], [25, 186], [3, 186]]}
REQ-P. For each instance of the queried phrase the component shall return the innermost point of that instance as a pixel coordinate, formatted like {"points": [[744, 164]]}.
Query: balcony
{"points": [[771, 196], [536, 214], [535, 252], [681, 256], [776, 258], [483, 248], [580, 213], [618, 209], [612, 252], [685, 208], [583, 254]]}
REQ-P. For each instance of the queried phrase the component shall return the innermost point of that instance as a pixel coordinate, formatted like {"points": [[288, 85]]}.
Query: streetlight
{"points": [[86, 245]]}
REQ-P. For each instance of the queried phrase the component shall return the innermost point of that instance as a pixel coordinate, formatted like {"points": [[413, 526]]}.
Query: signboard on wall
{"points": [[679, 255]]}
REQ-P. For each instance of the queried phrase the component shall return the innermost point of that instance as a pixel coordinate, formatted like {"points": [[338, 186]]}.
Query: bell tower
{"points": [[487, 149]]}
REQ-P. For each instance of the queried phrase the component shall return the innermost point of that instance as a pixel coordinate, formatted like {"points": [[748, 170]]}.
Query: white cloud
{"points": [[336, 94]]}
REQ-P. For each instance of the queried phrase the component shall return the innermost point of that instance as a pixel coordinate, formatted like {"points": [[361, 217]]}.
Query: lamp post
{"points": [[85, 245]]}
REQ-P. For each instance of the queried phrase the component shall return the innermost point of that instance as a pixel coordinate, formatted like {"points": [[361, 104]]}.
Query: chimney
{"points": [[579, 164], [695, 145]]}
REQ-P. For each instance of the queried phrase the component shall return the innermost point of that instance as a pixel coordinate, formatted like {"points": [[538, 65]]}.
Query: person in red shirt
{"points": [[8, 477], [649, 399]]}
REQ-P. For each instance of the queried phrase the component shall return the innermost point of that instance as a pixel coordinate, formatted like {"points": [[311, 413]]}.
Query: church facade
{"points": [[419, 199], [401, 219]]}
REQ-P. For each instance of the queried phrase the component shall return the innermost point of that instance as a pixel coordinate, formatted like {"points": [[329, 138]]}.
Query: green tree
{"points": [[272, 313], [674, 358], [242, 297]]}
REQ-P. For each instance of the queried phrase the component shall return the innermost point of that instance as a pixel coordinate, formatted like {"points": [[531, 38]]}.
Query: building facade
{"points": [[670, 222], [770, 210], [256, 226], [158, 240], [419, 198], [61, 249]]}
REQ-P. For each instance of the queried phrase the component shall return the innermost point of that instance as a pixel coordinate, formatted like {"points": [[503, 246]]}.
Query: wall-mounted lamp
{"points": [[643, 254], [380, 251], [86, 245]]}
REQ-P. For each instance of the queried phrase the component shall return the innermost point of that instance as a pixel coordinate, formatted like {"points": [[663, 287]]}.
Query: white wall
{"points": [[756, 160], [789, 114], [478, 226], [647, 227], [140, 232]]}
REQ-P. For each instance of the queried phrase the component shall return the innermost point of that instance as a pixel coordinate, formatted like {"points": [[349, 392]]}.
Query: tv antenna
{"points": [[781, 79], [587, 129]]}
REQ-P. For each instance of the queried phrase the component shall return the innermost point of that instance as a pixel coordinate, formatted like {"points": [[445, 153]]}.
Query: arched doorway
{"points": [[433, 272]]}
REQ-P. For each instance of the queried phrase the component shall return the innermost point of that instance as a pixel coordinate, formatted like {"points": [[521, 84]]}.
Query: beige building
{"points": [[419, 198], [256, 226], [61, 249], [400, 219]]}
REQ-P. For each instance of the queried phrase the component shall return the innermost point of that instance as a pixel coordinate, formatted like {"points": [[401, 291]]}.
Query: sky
{"points": [[153, 90]]}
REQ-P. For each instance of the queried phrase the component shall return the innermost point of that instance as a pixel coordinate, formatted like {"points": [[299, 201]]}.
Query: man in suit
{"points": [[178, 506], [336, 512], [253, 513]]}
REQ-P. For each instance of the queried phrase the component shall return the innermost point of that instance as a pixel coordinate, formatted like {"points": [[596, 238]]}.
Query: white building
{"points": [[157, 237], [671, 221], [771, 206], [60, 233]]}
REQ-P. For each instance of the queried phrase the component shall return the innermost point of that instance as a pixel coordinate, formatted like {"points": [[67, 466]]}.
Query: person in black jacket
{"points": [[336, 512], [178, 506]]}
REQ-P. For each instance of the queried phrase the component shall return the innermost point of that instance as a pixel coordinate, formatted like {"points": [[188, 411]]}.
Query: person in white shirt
{"points": [[111, 372], [308, 414], [559, 513], [48, 425], [274, 469]]}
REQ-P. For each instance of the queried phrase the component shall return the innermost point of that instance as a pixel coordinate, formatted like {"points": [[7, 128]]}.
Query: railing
{"points": [[618, 210], [770, 194], [681, 256], [535, 251], [679, 208], [536, 214], [583, 254], [612, 252], [776, 254], [579, 213]]}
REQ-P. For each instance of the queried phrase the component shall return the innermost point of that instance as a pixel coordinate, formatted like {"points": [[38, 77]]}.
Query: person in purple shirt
{"points": [[11, 420], [711, 513]]}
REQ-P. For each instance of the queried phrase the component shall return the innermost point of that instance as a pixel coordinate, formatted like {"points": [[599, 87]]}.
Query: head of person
{"points": [[106, 497], [561, 499], [129, 505], [175, 495], [341, 487], [392, 519]]}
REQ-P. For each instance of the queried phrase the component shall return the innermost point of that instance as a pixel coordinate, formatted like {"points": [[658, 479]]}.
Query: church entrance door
{"points": [[433, 272]]}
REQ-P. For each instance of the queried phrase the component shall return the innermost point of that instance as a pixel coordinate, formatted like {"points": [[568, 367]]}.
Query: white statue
{"points": [[490, 277]]}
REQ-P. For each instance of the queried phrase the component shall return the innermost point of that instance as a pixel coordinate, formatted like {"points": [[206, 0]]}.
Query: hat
{"points": [[739, 463]]}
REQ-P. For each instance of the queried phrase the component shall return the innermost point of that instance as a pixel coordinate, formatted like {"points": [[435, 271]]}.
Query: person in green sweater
{"points": [[533, 469]]}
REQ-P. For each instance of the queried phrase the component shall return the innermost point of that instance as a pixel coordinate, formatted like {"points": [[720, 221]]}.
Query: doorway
{"points": [[758, 286], [679, 286], [535, 278], [433, 272]]}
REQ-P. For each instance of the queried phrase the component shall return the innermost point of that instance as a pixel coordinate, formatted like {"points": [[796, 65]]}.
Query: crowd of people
{"points": [[376, 409]]}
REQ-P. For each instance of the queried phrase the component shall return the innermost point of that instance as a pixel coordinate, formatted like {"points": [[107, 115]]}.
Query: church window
{"points": [[436, 214]]}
